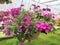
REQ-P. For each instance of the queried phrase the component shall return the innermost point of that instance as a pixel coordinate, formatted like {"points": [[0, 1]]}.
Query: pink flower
{"points": [[33, 5], [45, 13], [14, 12], [41, 26], [20, 25], [4, 19], [12, 17], [53, 16], [36, 8], [44, 9], [6, 32], [19, 30], [22, 44], [31, 12], [5, 13], [1, 19], [48, 9], [22, 5], [10, 21], [46, 31], [38, 26], [49, 27], [26, 30], [7, 21], [28, 23], [26, 18]]}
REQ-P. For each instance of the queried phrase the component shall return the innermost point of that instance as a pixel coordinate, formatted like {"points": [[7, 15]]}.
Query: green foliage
{"points": [[7, 1], [43, 39]]}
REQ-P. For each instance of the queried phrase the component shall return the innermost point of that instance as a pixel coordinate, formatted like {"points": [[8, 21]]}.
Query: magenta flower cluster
{"points": [[5, 13], [14, 12], [27, 23], [7, 21], [22, 44], [22, 28], [27, 20], [6, 32], [41, 26], [47, 12]]}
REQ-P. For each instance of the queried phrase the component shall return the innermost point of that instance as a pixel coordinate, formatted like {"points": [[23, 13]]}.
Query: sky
{"points": [[16, 3]]}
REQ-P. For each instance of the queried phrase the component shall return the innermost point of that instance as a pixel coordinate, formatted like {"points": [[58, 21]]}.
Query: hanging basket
{"points": [[2, 1], [34, 36]]}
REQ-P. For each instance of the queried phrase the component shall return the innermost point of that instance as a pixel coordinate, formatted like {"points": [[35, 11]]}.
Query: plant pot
{"points": [[34, 36]]}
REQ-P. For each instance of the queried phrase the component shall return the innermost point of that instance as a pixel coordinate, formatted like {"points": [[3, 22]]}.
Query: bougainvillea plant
{"points": [[24, 24]]}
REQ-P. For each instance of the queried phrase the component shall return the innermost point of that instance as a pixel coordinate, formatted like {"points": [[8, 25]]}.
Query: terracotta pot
{"points": [[2, 1]]}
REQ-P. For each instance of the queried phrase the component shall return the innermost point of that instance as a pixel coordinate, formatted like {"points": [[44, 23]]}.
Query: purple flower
{"points": [[14, 12], [1, 19], [6, 21], [22, 5], [19, 30], [49, 27], [48, 9], [11, 16], [36, 8], [45, 13], [53, 16], [20, 25], [6, 32], [37, 26], [28, 23], [46, 31], [41, 26], [26, 18], [5, 13], [33, 5], [10, 21], [44, 9], [22, 44], [26, 30]]}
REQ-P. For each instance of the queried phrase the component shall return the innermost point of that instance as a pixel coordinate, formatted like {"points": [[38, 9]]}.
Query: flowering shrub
{"points": [[23, 24]]}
